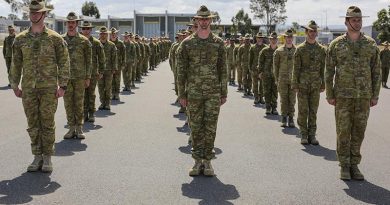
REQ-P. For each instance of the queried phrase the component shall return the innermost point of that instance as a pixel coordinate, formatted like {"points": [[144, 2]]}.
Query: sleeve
{"points": [[296, 69], [114, 58], [15, 73], [63, 63], [251, 55], [330, 70], [221, 65], [88, 57], [182, 69], [101, 58], [276, 65], [375, 74], [4, 47], [261, 59], [322, 67], [123, 63]]}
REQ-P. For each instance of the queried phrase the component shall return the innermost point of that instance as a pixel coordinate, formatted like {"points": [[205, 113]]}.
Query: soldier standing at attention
{"points": [[137, 58], [121, 58], [130, 61], [80, 51], [283, 66], [41, 61], [97, 68], [202, 82], [238, 64], [352, 85], [385, 59], [257, 84], [105, 83], [243, 56], [230, 60], [7, 48], [308, 82], [265, 67]]}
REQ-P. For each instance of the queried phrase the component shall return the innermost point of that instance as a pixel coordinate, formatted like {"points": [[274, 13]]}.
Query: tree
{"points": [[270, 11], [242, 23], [17, 5], [295, 27], [382, 25], [13, 17], [90, 9]]}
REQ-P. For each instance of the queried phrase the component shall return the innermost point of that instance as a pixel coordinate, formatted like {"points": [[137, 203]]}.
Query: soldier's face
{"points": [[86, 31], [247, 41], [273, 41], [103, 36], [312, 34], [259, 40], [354, 23], [204, 23], [37, 17], [289, 40], [71, 25], [113, 36], [11, 31]]}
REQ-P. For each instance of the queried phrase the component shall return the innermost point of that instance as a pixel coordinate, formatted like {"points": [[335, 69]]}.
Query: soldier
{"points": [[257, 84], [243, 56], [238, 64], [385, 58], [152, 54], [172, 59], [230, 61], [105, 83], [265, 67], [7, 48], [97, 68], [308, 82], [41, 59], [352, 85], [140, 59], [147, 56], [121, 58], [130, 61], [137, 58], [202, 82], [80, 51], [283, 66]]}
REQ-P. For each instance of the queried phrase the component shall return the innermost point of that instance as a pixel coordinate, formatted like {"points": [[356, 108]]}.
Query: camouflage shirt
{"points": [[309, 65], [111, 56], [352, 68], [121, 53], [7, 46], [265, 61], [254, 57], [172, 56], [230, 54], [201, 67], [244, 54], [98, 56], [131, 52], [80, 53], [385, 57], [41, 60], [283, 64]]}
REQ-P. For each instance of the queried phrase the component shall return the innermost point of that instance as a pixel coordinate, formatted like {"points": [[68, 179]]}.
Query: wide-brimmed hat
{"points": [[126, 34], [273, 35], [114, 30], [354, 11], [37, 6], [103, 29], [312, 25], [386, 43], [11, 27], [136, 36], [247, 36], [72, 17], [260, 35], [204, 12], [288, 33], [86, 24]]}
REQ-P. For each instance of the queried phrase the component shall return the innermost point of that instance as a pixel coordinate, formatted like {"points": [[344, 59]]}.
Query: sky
{"points": [[324, 12]]}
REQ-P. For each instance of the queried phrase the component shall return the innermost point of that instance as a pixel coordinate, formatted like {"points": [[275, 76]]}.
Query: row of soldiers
{"points": [[50, 66]]}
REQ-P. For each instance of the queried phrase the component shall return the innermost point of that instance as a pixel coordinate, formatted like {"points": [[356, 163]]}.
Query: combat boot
{"points": [[182, 109], [239, 87], [101, 107], [47, 165], [304, 140], [70, 134], [107, 107], [79, 133], [86, 117], [250, 92], [195, 171], [313, 140], [345, 173], [356, 174], [268, 110], [117, 96], [275, 111], [91, 117], [36, 164], [208, 169], [284, 121], [291, 122], [261, 101]]}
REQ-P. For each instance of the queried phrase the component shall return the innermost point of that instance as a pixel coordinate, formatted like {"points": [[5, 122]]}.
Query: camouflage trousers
{"points": [[8, 62], [239, 75], [139, 70], [257, 85], [203, 119], [152, 61], [351, 122], [308, 101], [175, 82], [246, 77], [40, 106], [116, 82], [385, 73], [74, 102], [270, 91], [105, 86], [90, 96], [145, 65], [127, 73], [134, 73], [231, 71], [287, 99]]}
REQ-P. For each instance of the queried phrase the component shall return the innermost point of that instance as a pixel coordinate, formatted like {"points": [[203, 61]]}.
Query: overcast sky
{"points": [[300, 11]]}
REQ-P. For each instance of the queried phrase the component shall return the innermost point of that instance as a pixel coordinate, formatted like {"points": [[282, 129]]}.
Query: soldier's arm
{"points": [[251, 54], [101, 58], [375, 74], [276, 65], [88, 60], [114, 58], [322, 68], [296, 69], [123, 55], [17, 65], [4, 47], [182, 64], [221, 65], [330, 70], [260, 67], [63, 62]]}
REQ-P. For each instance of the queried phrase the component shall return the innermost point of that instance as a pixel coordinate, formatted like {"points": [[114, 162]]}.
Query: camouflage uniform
{"points": [[230, 63], [130, 64], [43, 60], [105, 84], [152, 59], [135, 68], [147, 57], [353, 79], [283, 66], [264, 66], [7, 51], [257, 83], [243, 56], [238, 64], [141, 60], [202, 80], [172, 62], [121, 58], [80, 53], [385, 59], [308, 78]]}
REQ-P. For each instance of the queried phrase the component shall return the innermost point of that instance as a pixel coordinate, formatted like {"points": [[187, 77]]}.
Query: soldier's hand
{"points": [[373, 102], [183, 102], [332, 101], [322, 90], [261, 76], [100, 76], [60, 93], [87, 82], [18, 92], [223, 100]]}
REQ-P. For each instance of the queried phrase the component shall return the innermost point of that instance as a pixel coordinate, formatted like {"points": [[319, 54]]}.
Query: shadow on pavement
{"points": [[210, 190], [127, 92], [21, 189], [184, 129], [91, 126], [180, 116], [116, 102], [272, 117], [321, 151], [259, 105], [104, 113], [367, 192], [69, 147], [5, 88], [290, 131]]}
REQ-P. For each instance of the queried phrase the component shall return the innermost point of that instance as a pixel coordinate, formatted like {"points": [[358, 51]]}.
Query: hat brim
{"points": [[108, 32], [67, 20], [261, 36], [354, 16], [309, 28], [205, 17], [39, 11], [87, 26]]}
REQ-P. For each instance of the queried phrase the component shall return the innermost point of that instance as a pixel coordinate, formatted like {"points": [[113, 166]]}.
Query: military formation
{"points": [[48, 66]]}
